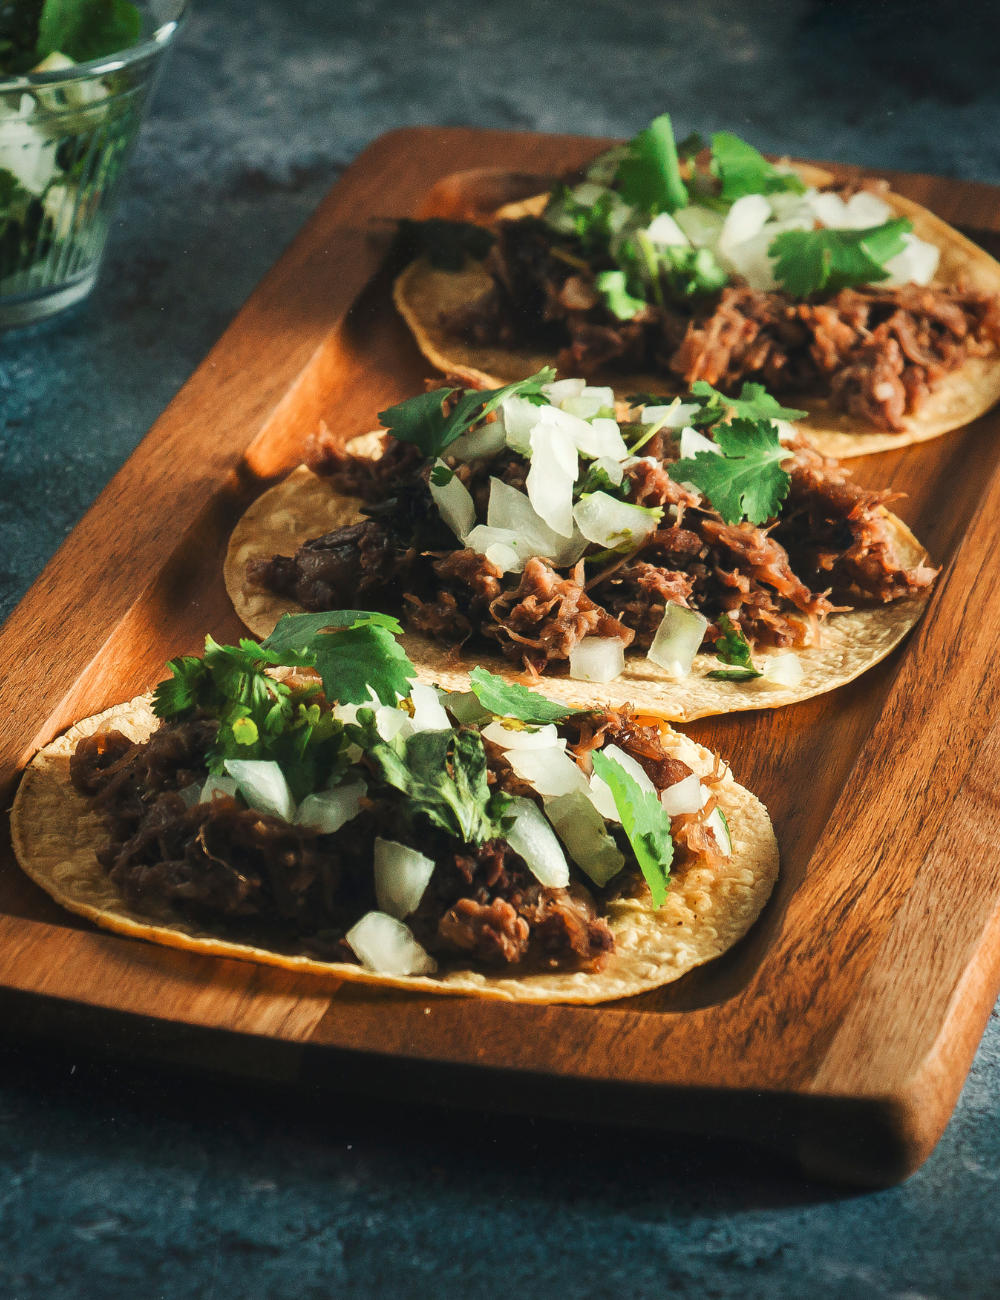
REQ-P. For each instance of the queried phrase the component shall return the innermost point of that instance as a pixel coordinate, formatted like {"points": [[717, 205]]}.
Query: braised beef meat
{"points": [[875, 352], [263, 880]]}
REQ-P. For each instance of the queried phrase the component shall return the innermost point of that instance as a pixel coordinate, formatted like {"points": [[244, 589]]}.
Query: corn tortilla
{"points": [[707, 910], [305, 506], [422, 293]]}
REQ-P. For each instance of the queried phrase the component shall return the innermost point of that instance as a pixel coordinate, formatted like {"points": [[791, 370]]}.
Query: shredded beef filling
{"points": [[875, 352], [259, 878]]}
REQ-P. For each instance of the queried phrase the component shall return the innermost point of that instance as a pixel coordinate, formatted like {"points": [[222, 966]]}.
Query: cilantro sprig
{"points": [[363, 654], [733, 648], [753, 403], [649, 176], [645, 822], [441, 773], [422, 420], [510, 700], [826, 261], [746, 481], [742, 170]]}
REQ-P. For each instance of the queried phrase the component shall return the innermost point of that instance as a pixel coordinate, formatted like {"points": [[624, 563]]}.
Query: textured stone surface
{"points": [[119, 1183]]}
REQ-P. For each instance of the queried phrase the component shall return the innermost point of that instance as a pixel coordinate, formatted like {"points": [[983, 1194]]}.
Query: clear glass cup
{"points": [[65, 137]]}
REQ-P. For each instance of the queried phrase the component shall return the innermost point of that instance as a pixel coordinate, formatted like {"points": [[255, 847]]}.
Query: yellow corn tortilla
{"points": [[305, 506], [422, 294], [707, 909]]}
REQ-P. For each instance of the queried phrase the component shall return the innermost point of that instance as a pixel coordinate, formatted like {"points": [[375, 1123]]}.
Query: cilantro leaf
{"points": [[747, 480], [360, 651], [87, 29], [510, 700], [646, 824], [753, 403], [649, 176], [445, 244], [441, 475], [422, 420], [815, 261], [743, 170], [733, 648], [611, 286], [441, 773]]}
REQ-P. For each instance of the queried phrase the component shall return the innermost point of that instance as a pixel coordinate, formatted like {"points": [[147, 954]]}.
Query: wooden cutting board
{"points": [[842, 1027]]}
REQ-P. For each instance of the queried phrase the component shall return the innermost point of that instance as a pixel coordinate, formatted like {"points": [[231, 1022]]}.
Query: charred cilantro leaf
{"points": [[753, 403], [743, 170], [649, 176], [733, 648], [826, 261], [359, 651], [422, 420], [646, 824], [509, 700], [441, 773], [746, 481], [445, 244]]}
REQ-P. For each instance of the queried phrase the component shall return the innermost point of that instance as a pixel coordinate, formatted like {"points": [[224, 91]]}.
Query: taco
{"points": [[683, 556], [306, 804], [655, 272]]}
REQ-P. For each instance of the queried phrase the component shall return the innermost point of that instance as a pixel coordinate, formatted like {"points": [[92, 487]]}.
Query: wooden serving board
{"points": [[842, 1027]]}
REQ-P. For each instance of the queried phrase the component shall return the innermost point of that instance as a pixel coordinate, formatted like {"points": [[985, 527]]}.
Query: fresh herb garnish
{"points": [[743, 170], [733, 648], [753, 403], [259, 718], [746, 481], [509, 700], [649, 176], [363, 653], [815, 261], [441, 475], [445, 244], [611, 286], [646, 824], [31, 30], [422, 420], [441, 773]]}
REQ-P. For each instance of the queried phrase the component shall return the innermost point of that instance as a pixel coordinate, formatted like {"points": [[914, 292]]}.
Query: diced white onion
{"points": [[483, 539], [745, 219], [581, 828], [534, 839], [586, 194], [504, 558], [385, 945], [390, 722], [600, 437], [191, 794], [830, 209], [677, 414], [328, 810], [549, 771], [519, 417], [716, 823], [916, 264], [603, 800], [454, 503], [665, 231], [611, 467], [862, 211], [610, 522], [262, 784], [868, 210], [692, 442], [563, 388], [786, 430], [428, 715], [512, 511], [702, 226], [597, 659], [687, 796], [536, 738], [401, 876], [348, 713], [585, 406], [554, 469], [783, 670], [634, 769], [678, 639], [481, 443]]}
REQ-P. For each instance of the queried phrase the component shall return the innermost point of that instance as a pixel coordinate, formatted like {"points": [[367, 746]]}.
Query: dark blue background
{"points": [[120, 1182]]}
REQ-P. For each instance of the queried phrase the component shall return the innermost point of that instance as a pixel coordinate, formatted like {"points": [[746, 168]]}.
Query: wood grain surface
{"points": [[842, 1026]]}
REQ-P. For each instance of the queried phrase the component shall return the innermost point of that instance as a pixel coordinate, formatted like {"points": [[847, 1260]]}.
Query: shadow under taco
{"points": [[490, 843], [654, 272], [690, 559]]}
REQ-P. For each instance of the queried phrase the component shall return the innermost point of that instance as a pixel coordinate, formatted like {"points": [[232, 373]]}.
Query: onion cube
{"points": [[687, 796], [581, 828], [401, 877], [533, 838], [385, 945], [678, 639], [597, 659]]}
